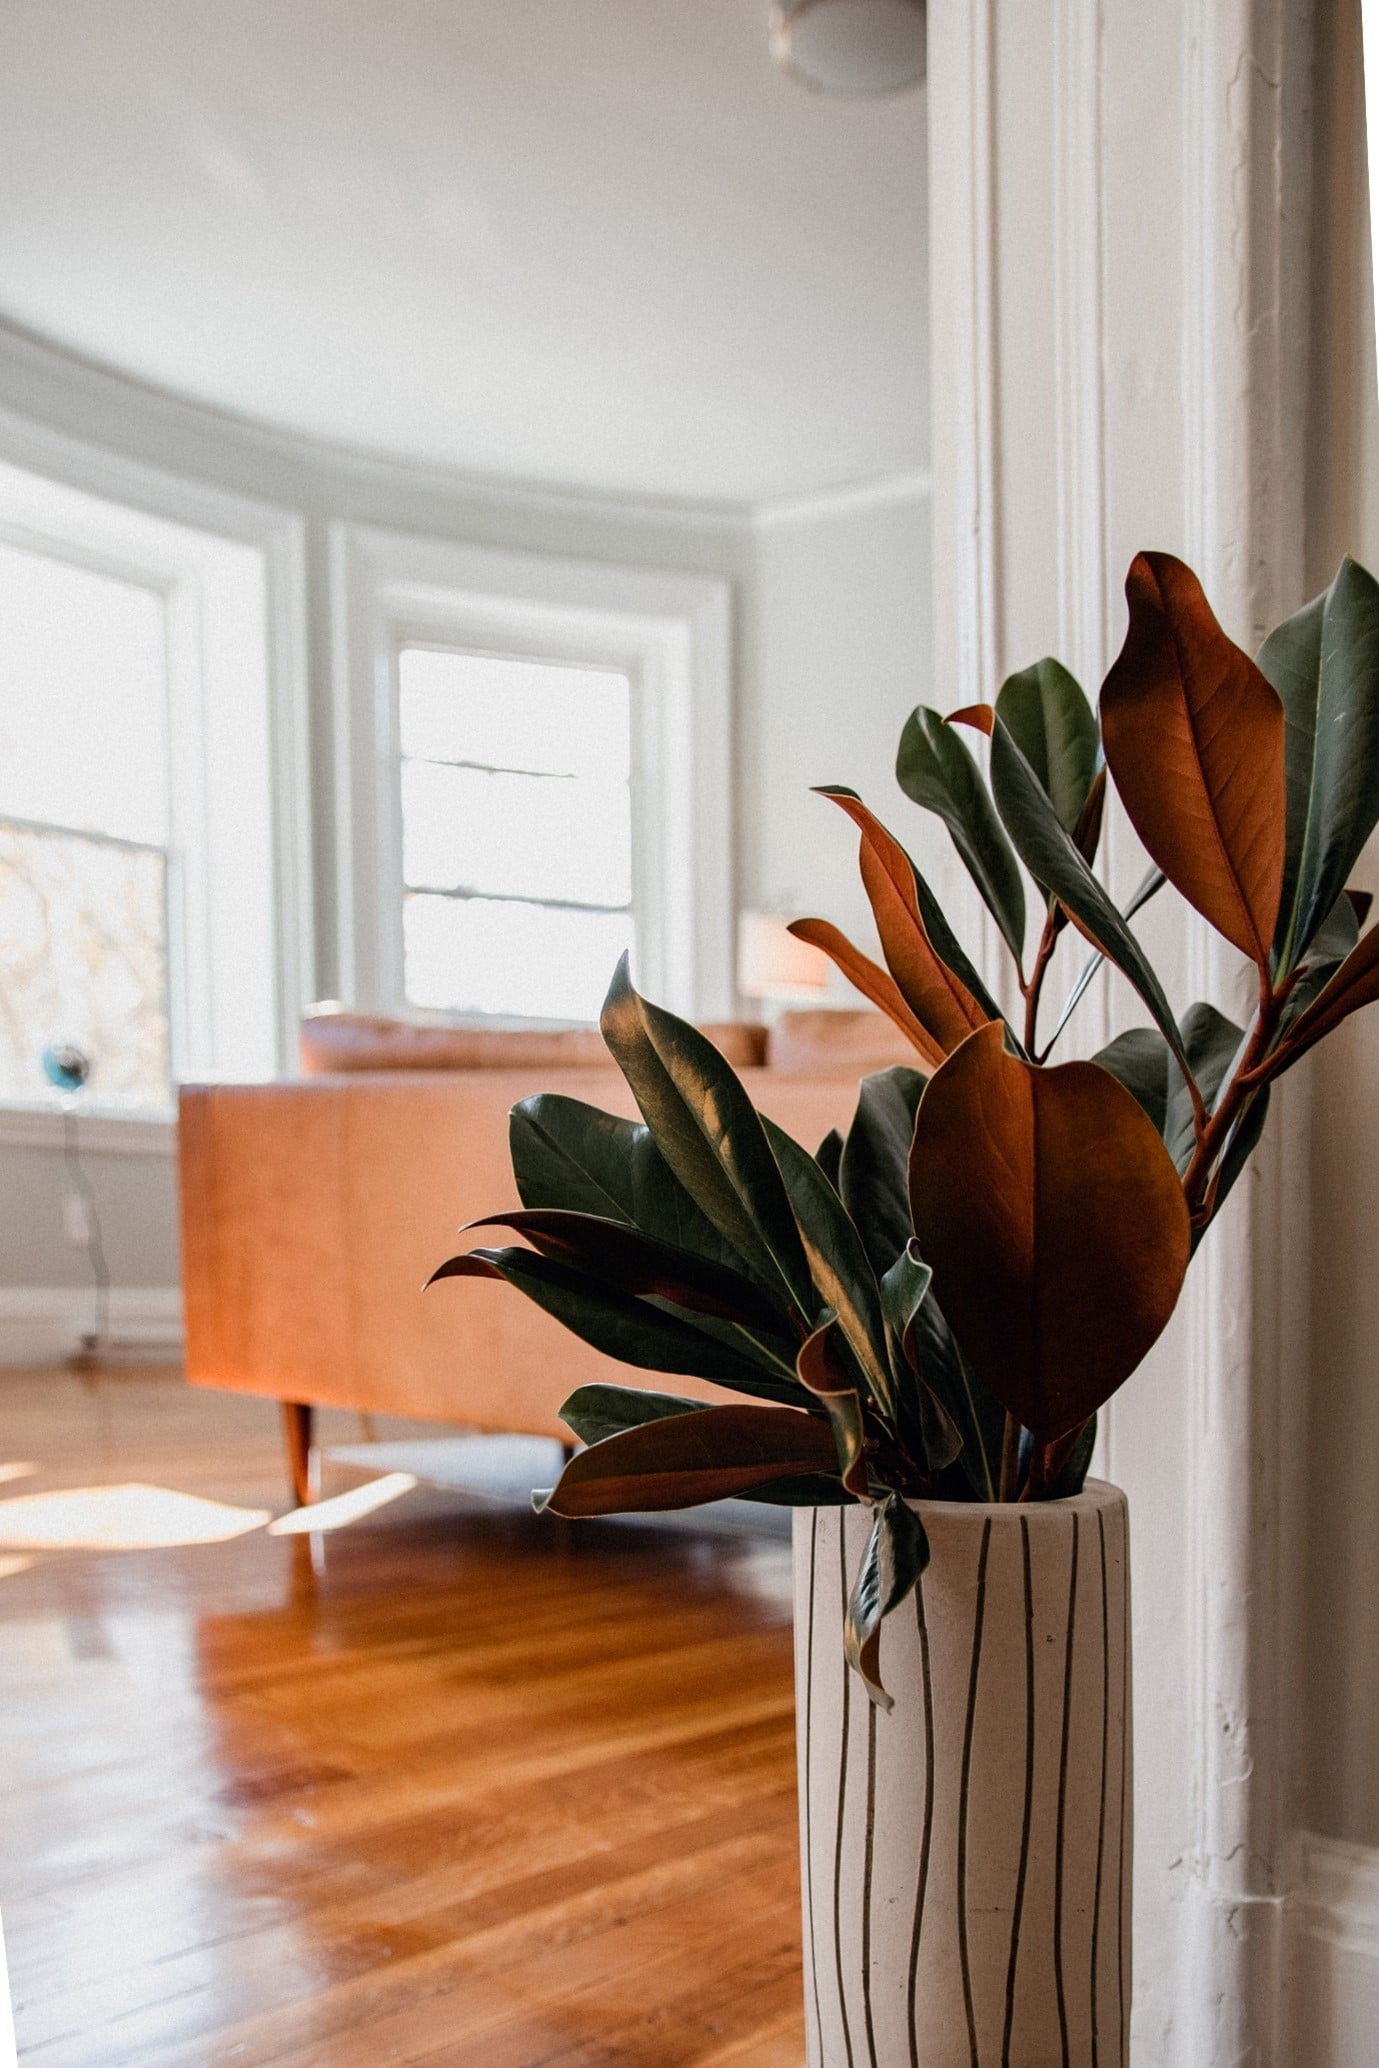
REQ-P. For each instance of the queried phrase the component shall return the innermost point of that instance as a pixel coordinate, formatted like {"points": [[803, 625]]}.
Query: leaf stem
{"points": [[1047, 941], [1010, 1459], [1215, 1129]]}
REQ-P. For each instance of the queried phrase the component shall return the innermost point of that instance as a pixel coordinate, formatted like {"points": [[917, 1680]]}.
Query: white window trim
{"points": [[141, 491], [669, 633]]}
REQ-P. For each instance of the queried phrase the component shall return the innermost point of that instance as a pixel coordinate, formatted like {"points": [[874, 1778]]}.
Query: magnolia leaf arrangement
{"points": [[939, 1304]]}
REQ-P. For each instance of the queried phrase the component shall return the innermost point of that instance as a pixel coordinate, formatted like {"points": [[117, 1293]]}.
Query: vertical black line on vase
{"points": [[1028, 1816], [966, 1783], [809, 1786], [842, 1803], [1125, 1741], [1101, 1818], [1062, 1806], [866, 1883], [926, 1840]]}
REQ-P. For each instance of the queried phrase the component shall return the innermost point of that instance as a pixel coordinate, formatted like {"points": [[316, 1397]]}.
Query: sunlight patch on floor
{"points": [[342, 1509], [121, 1518]]}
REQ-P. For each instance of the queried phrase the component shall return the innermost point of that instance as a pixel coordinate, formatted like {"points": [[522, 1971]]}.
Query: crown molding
{"points": [[881, 492]]}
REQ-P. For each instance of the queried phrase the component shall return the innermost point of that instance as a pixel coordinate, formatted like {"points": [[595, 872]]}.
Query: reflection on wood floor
{"points": [[475, 1787]]}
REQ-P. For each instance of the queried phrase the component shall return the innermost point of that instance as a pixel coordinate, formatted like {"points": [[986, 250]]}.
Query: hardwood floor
{"points": [[475, 1787]]}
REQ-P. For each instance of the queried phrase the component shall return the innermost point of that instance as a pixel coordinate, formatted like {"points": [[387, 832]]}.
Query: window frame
{"points": [[669, 634], [88, 507]]}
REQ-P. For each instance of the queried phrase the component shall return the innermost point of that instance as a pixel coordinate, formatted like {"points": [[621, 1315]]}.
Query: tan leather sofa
{"points": [[313, 1211]]}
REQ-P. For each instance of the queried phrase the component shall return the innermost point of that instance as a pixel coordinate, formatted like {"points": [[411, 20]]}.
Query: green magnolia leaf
{"points": [[872, 1177], [594, 1412], [1141, 1059], [949, 948], [709, 1133], [573, 1156], [1212, 1042], [903, 1292], [935, 769], [683, 1460], [621, 1325], [1324, 664], [839, 1264], [896, 1554], [829, 1156], [1052, 859], [978, 1417], [1244, 1140], [1055, 728], [822, 1373], [1149, 886], [625, 1258]]}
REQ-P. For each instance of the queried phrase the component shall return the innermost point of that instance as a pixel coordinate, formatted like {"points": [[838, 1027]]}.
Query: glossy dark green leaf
{"points": [[574, 1156], [897, 1553], [594, 1412], [829, 1156], [872, 1176], [821, 1372], [709, 1133], [1056, 866], [904, 1290], [936, 770], [1141, 1059], [1324, 664], [683, 1460], [1244, 1140], [977, 1416], [1149, 886], [625, 1258], [837, 1260], [622, 1326], [950, 949], [1213, 1043], [1050, 720]]}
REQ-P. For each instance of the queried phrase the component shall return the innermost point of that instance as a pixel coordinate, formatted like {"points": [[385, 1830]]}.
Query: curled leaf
{"points": [[896, 1554], [821, 1370], [681, 1460], [872, 981]]}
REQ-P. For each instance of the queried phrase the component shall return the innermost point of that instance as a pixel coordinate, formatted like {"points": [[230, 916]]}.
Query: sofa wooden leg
{"points": [[297, 1419]]}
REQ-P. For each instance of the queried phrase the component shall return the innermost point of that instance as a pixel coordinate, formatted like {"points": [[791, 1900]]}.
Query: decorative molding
{"points": [[41, 1325], [818, 506], [98, 1133]]}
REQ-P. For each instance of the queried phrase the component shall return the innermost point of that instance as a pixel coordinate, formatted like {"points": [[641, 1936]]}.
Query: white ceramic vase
{"points": [[966, 1859]]}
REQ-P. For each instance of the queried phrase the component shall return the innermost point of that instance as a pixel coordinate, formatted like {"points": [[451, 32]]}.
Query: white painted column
{"points": [[1118, 196]]}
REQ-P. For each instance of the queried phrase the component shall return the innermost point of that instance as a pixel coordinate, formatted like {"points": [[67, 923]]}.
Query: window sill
{"points": [[101, 1131]]}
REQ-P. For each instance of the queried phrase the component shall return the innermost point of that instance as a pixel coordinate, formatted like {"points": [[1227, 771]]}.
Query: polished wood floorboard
{"points": [[470, 1786]]}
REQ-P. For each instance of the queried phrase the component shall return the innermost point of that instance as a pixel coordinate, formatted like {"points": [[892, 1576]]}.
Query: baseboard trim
{"points": [[46, 1324]]}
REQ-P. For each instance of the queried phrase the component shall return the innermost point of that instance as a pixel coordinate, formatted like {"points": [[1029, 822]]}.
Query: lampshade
{"points": [[851, 46], [772, 964]]}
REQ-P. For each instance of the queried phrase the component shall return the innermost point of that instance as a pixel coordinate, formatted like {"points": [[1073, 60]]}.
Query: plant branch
{"points": [[1044, 955], [1213, 1130]]}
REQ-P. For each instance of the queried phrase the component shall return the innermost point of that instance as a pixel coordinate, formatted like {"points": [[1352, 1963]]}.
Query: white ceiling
{"points": [[590, 242]]}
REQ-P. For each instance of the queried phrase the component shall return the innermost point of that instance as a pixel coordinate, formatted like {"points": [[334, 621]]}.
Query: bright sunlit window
{"points": [[83, 828], [516, 833]]}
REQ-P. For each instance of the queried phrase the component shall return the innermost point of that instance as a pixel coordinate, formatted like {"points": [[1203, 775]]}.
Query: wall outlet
{"points": [[76, 1220]]}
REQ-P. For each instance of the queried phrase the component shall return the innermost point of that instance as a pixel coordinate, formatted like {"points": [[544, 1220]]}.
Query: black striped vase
{"points": [[966, 1859]]}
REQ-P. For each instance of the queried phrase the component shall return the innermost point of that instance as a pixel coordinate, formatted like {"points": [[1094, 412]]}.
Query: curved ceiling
{"points": [[602, 244]]}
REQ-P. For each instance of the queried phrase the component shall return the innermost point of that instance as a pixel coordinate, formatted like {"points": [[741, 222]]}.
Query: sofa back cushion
{"points": [[836, 1044], [331, 1042]]}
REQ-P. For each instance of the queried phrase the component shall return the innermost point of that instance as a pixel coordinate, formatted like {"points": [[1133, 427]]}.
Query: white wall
{"points": [[832, 613], [1342, 1622]]}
